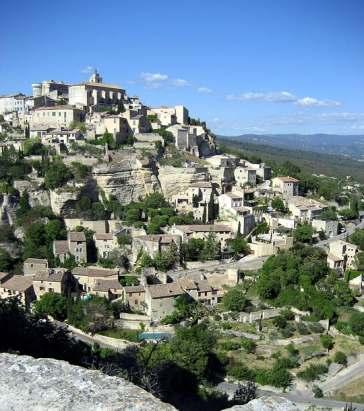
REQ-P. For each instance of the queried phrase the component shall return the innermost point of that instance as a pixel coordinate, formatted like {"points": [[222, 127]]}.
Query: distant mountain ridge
{"points": [[351, 146]]}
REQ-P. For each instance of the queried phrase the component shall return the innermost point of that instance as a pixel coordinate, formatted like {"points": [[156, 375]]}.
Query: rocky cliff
{"points": [[46, 384], [127, 178], [176, 180]]}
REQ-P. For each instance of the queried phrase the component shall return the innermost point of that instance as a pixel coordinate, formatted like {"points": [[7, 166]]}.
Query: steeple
{"points": [[95, 78]]}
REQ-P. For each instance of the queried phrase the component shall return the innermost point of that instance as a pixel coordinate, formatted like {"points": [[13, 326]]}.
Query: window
{"points": [[53, 113]]}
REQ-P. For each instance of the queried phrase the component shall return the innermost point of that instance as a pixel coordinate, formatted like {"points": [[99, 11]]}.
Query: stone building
{"points": [[134, 296], [287, 186], [75, 245], [18, 286], [87, 277], [153, 244], [105, 243], [160, 298], [33, 266], [342, 255], [110, 289], [222, 233], [270, 244], [305, 209], [54, 280], [55, 117], [96, 94]]}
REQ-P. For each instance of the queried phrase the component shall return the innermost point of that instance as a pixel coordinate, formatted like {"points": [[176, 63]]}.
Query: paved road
{"points": [[297, 397], [345, 376]]}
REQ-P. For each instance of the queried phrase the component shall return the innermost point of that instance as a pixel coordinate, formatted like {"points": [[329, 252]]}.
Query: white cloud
{"points": [[88, 70], [272, 96], [204, 90], [153, 80], [180, 82], [314, 102]]}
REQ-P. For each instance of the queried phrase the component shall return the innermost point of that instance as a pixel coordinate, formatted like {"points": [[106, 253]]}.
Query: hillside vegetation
{"points": [[308, 161]]}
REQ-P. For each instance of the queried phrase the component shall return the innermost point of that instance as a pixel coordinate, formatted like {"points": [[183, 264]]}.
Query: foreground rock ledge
{"points": [[41, 384]]}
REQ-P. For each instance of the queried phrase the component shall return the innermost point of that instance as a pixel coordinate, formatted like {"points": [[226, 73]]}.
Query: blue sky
{"points": [[257, 66]]}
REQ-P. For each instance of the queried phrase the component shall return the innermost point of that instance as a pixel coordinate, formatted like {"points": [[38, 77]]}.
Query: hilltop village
{"points": [[130, 223]]}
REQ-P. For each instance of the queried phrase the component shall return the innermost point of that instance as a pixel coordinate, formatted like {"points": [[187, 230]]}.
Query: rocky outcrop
{"points": [[61, 196], [128, 179], [45, 384], [39, 198], [176, 180]]}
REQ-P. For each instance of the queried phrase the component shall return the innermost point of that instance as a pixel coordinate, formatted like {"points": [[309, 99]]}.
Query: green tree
{"points": [[278, 204], [6, 261], [357, 238], [191, 348], [57, 175], [303, 233], [235, 299], [327, 341], [52, 304]]}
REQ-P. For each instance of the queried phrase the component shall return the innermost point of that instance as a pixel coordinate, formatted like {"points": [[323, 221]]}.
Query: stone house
{"points": [[342, 255], [99, 226], [328, 227], [153, 244], [245, 175], [95, 93], [287, 186], [305, 209], [87, 277], [110, 289], [19, 286], [134, 295], [222, 233], [147, 141], [270, 244], [202, 290], [262, 171], [32, 266], [55, 117], [74, 245], [160, 298], [54, 280], [105, 243]]}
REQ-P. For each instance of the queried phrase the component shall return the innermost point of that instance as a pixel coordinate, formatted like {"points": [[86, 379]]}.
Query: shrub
{"points": [[316, 328], [280, 322], [248, 345], [241, 372], [312, 372], [327, 341], [303, 329], [317, 392], [245, 393], [341, 358], [291, 349], [230, 345]]}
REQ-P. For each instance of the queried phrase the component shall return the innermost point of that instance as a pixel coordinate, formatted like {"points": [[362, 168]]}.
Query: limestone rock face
{"points": [[39, 198], [46, 384], [60, 197], [176, 180], [127, 181], [271, 403]]}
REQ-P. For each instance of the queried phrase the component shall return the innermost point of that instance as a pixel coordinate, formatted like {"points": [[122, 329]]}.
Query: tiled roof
{"points": [[106, 285], [36, 261], [104, 236], [61, 246], [93, 272], [134, 289], [18, 283], [165, 290], [194, 228], [76, 236], [55, 275]]}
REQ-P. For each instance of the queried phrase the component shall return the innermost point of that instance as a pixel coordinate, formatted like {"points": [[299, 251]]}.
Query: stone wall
{"points": [[46, 384]]}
